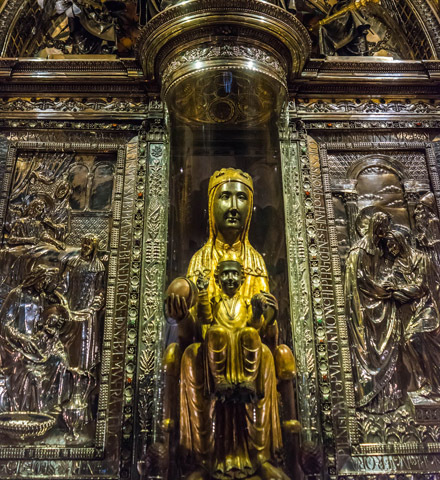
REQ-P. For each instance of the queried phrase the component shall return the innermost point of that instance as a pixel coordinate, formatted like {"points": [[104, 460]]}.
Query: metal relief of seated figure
{"points": [[31, 239], [344, 30], [34, 227], [230, 194]]}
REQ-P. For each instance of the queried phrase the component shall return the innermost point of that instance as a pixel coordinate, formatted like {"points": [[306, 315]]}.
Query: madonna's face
{"points": [[231, 206]]}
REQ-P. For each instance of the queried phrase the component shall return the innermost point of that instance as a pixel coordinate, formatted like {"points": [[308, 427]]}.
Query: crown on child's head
{"points": [[228, 257]]}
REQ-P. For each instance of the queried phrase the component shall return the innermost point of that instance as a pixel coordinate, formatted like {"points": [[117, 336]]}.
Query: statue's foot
{"points": [[224, 390], [268, 472], [247, 392]]}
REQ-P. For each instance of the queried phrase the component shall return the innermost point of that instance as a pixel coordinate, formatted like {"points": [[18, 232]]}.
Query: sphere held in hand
{"points": [[185, 288]]}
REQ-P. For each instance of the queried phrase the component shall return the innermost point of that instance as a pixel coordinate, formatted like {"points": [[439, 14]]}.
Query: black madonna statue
{"points": [[227, 422]]}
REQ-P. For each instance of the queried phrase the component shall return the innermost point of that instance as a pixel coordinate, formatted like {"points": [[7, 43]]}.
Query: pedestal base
{"points": [[426, 410]]}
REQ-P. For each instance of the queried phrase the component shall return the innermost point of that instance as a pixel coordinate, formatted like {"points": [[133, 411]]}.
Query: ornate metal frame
{"points": [[113, 347], [343, 452]]}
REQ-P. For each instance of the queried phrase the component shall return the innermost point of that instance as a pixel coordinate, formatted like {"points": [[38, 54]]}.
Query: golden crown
{"points": [[230, 175]]}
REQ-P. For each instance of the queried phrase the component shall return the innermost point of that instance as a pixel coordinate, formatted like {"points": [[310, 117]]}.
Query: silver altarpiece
{"points": [[109, 134]]}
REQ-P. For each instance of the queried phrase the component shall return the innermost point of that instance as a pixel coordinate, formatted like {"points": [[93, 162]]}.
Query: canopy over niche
{"points": [[402, 29]]}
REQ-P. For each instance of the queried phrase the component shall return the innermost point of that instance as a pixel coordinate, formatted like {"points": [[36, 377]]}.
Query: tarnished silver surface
{"points": [[52, 348], [64, 218], [385, 428]]}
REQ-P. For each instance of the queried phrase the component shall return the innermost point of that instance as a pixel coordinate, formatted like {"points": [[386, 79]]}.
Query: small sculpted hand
{"points": [[258, 304], [30, 347], [271, 307], [176, 307], [399, 294], [389, 282], [60, 245], [202, 283]]}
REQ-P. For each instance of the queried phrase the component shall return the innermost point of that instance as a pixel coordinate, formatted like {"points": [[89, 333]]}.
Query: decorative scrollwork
{"points": [[224, 51], [370, 106], [73, 105]]}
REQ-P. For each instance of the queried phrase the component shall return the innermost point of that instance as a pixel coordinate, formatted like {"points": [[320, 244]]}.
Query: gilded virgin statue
{"points": [[227, 360]]}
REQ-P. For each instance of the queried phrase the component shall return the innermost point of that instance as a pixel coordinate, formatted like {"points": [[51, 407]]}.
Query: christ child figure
{"points": [[232, 339]]}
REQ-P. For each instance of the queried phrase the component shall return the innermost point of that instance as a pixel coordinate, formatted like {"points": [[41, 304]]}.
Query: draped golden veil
{"points": [[205, 261], [229, 440]]}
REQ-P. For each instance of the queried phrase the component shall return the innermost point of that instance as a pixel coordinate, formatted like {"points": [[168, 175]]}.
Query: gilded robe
{"points": [[230, 440]]}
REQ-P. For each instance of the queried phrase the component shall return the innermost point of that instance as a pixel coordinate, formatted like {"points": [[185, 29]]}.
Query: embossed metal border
{"points": [[299, 282], [154, 148], [114, 285]]}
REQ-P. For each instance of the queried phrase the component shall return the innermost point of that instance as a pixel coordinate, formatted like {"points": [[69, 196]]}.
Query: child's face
{"points": [[230, 277]]}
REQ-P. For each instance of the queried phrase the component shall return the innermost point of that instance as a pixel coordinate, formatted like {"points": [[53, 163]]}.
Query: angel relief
{"points": [[52, 295]]}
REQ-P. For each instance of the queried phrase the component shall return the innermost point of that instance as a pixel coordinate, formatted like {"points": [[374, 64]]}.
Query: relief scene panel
{"points": [[387, 231], [54, 258]]}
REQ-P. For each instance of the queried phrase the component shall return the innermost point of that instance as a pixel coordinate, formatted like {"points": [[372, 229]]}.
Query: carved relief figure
{"points": [[427, 227], [246, 434], [34, 228], [409, 284], [52, 296], [84, 287], [32, 239], [344, 30], [61, 213], [375, 330], [33, 357]]}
